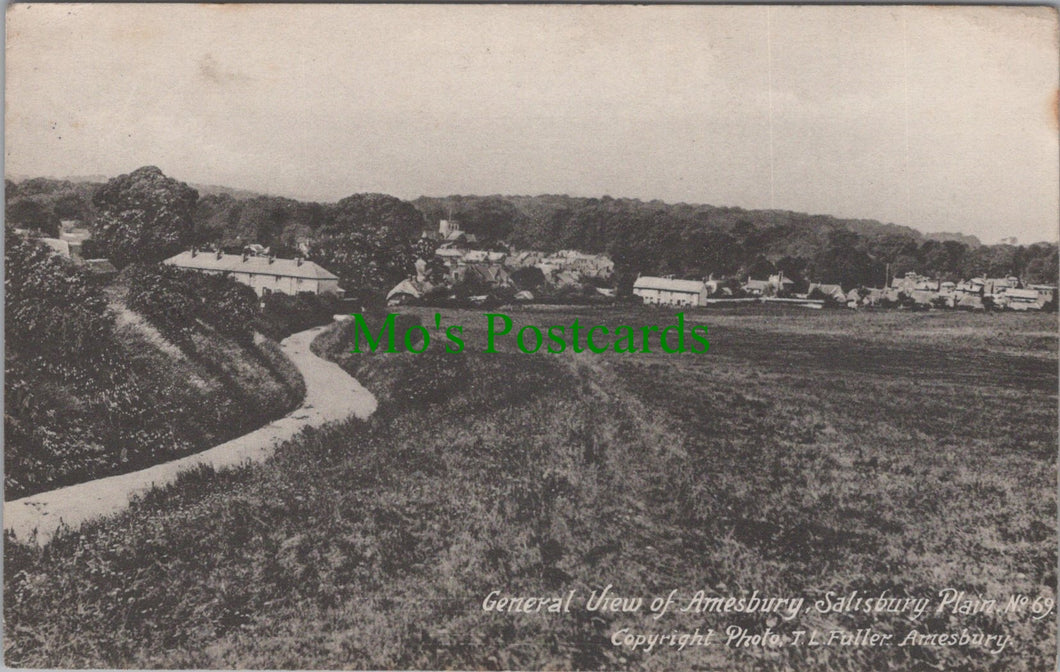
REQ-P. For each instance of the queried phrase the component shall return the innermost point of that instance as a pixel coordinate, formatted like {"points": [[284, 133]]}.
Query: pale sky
{"points": [[940, 118]]}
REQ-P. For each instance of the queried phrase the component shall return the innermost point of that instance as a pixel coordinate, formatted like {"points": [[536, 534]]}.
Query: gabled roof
{"points": [[1022, 294], [494, 275], [669, 284], [235, 263], [825, 289], [59, 246], [413, 288], [566, 278]]}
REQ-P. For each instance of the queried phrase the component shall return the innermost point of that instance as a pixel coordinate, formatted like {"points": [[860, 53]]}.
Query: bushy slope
{"points": [[93, 388], [142, 402]]}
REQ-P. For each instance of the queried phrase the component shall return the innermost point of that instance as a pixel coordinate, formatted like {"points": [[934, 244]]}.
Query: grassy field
{"points": [[807, 452]]}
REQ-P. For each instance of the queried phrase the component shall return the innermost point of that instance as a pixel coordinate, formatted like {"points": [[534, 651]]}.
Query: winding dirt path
{"points": [[331, 395]]}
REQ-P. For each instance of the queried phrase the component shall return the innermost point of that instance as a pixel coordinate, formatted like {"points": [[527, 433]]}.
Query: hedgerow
{"points": [[172, 299]]}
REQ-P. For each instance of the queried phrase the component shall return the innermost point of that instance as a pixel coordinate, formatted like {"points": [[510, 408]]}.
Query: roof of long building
{"points": [[668, 284], [237, 263]]}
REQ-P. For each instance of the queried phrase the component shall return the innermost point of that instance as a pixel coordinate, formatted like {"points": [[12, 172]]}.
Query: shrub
{"points": [[172, 298], [163, 297], [283, 315], [52, 309], [228, 306]]}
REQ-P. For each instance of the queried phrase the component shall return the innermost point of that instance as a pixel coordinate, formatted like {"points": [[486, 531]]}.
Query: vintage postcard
{"points": [[530, 337]]}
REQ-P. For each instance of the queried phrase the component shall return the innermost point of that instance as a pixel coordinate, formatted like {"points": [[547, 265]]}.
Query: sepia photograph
{"points": [[531, 337]]}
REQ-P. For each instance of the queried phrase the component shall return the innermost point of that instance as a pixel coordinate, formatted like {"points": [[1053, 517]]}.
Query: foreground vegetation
{"points": [[806, 452], [105, 380]]}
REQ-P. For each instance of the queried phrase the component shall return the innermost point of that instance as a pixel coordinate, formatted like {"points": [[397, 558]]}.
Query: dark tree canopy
{"points": [[369, 213], [51, 307], [365, 261], [32, 212], [144, 216], [368, 241], [366, 236]]}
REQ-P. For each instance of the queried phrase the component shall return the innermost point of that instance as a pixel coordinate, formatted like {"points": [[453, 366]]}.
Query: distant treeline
{"points": [[367, 238], [697, 240]]}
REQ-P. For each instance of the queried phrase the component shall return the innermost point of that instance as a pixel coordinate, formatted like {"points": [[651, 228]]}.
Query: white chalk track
{"points": [[331, 395]]}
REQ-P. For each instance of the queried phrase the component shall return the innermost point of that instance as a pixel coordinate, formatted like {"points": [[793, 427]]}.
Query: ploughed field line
{"points": [[963, 364]]}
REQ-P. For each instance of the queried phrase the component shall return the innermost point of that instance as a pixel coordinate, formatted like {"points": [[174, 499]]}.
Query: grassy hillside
{"points": [[106, 377], [807, 452], [142, 401]]}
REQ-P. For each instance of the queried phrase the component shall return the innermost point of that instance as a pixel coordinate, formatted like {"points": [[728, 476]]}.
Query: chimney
{"points": [[219, 253], [298, 261], [194, 251], [244, 256], [271, 258]]}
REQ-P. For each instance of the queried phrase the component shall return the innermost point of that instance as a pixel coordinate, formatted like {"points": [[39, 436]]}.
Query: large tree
{"points": [[144, 216], [842, 262], [367, 241], [370, 213], [365, 261], [32, 212]]}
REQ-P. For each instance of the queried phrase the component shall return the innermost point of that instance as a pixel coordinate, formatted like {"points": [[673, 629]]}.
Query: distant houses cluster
{"points": [[460, 260], [465, 263], [911, 290], [975, 294], [70, 243]]}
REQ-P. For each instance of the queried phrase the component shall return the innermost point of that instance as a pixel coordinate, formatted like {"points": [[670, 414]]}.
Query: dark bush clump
{"points": [[172, 299], [283, 315], [53, 311]]}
